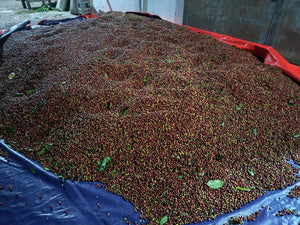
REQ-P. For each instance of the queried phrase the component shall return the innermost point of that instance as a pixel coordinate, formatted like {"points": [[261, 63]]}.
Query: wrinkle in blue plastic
{"points": [[33, 195]]}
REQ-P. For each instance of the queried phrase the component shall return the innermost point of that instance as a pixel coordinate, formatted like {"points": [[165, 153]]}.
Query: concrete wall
{"points": [[117, 5], [270, 22], [171, 10]]}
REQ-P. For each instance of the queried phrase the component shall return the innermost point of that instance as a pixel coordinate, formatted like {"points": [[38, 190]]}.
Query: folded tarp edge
{"points": [[268, 53]]}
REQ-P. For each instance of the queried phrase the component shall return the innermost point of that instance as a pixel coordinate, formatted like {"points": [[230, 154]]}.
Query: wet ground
{"points": [[12, 13]]}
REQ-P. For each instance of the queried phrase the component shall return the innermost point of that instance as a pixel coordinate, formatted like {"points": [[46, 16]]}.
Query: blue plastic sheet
{"points": [[34, 196], [5, 35]]}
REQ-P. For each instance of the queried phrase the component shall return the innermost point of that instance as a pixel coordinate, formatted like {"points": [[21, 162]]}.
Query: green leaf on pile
{"points": [[242, 189], [104, 163], [239, 107], [251, 172], [215, 184], [163, 220]]}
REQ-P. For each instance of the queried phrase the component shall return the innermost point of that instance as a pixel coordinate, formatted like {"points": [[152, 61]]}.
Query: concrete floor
{"points": [[12, 13]]}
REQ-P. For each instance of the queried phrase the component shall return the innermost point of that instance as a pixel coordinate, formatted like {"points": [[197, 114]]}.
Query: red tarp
{"points": [[268, 53]]}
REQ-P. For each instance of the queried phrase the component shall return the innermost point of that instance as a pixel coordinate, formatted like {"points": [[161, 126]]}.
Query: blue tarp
{"points": [[32, 195]]}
